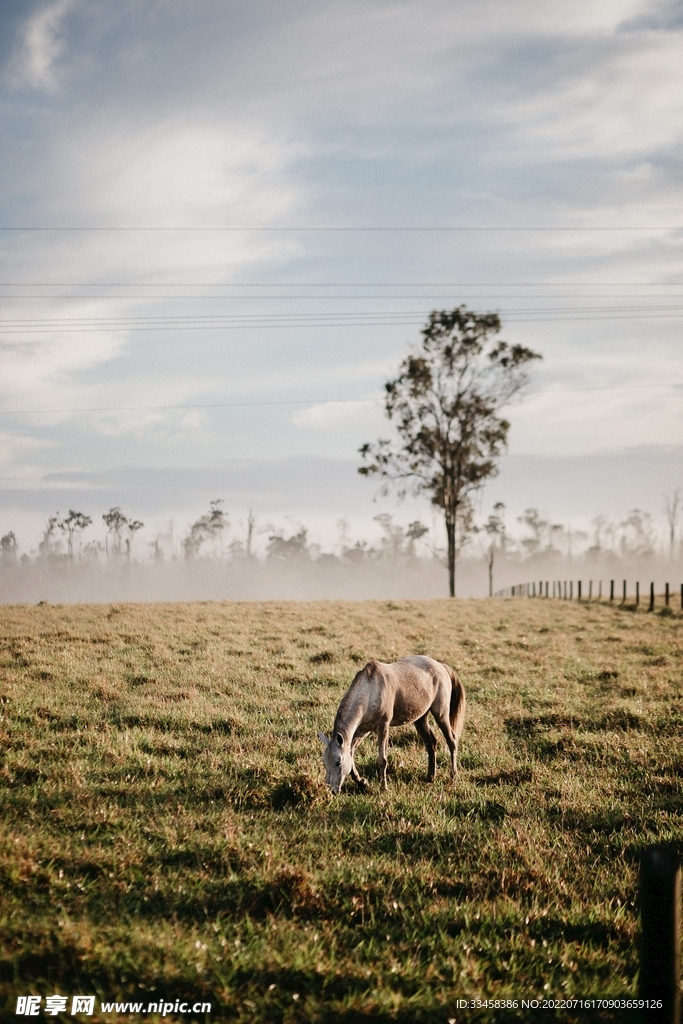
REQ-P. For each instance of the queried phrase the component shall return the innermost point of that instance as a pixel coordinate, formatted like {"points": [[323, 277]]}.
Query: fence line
{"points": [[563, 590]]}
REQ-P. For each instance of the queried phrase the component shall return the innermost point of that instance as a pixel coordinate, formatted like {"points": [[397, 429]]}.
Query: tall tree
{"points": [[445, 405], [133, 526], [495, 528], [115, 521], [672, 506], [74, 523]]}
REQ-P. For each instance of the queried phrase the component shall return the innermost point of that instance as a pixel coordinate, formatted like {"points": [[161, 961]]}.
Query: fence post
{"points": [[578, 595], [611, 590], [637, 593], [571, 590], [624, 597], [660, 924], [652, 597], [590, 590], [546, 588], [666, 594], [682, 597]]}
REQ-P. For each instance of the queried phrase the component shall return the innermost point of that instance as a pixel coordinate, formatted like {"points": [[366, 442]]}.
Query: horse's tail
{"points": [[457, 709]]}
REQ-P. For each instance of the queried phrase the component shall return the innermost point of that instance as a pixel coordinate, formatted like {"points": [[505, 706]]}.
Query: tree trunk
{"points": [[491, 572], [450, 532]]}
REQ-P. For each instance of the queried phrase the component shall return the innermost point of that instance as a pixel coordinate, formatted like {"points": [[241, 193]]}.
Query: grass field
{"points": [[165, 831]]}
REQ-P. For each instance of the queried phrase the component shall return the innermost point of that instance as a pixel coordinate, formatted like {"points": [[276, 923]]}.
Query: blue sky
{"points": [[192, 351]]}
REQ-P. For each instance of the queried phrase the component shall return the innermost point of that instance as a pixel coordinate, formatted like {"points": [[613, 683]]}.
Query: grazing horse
{"points": [[381, 696]]}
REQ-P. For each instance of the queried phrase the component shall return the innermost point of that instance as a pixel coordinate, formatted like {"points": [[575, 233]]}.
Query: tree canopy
{"points": [[445, 405]]}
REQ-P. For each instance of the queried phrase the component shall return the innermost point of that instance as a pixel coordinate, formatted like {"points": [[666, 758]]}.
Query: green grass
{"points": [[165, 830]]}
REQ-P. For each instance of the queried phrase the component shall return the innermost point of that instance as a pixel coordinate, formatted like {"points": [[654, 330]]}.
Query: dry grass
{"points": [[165, 829]]}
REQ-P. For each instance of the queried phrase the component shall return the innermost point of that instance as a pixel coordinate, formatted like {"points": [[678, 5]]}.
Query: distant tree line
{"points": [[487, 539]]}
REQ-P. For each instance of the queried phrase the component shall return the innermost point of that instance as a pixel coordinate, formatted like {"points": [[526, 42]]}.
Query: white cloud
{"points": [[342, 112], [41, 46], [331, 414], [616, 101]]}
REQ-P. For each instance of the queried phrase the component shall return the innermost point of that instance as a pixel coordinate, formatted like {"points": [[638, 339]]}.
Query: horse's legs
{"points": [[382, 745], [357, 778], [444, 724], [429, 740]]}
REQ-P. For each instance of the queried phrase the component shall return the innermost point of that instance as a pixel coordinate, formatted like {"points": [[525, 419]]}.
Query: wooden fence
{"points": [[568, 590]]}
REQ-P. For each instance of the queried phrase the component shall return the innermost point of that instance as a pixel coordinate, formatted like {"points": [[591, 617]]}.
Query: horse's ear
{"points": [[323, 739]]}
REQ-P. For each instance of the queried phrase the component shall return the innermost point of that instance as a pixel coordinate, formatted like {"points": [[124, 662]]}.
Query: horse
{"points": [[385, 695]]}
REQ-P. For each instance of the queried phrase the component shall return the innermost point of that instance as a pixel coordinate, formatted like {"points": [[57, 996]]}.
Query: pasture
{"points": [[166, 832]]}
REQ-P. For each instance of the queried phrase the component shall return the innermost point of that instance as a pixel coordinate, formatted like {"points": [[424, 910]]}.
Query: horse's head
{"points": [[337, 760]]}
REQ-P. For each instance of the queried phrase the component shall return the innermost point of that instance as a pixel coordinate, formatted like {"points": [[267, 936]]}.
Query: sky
{"points": [[223, 225]]}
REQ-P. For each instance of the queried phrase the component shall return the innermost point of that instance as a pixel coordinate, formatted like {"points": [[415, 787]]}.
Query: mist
{"points": [[210, 562]]}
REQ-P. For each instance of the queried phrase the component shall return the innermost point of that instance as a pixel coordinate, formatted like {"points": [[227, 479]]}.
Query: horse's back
{"points": [[412, 685]]}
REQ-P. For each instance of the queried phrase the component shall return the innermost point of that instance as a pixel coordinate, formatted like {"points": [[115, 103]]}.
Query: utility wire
{"points": [[281, 323], [350, 229], [239, 317], [313, 401], [342, 284]]}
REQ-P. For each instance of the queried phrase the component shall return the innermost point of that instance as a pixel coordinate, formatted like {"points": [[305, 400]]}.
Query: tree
{"points": [[251, 523], [671, 507], [75, 522], [638, 534], [48, 546], [133, 526], [445, 406], [296, 546], [115, 521], [9, 547], [208, 527], [537, 526], [495, 528]]}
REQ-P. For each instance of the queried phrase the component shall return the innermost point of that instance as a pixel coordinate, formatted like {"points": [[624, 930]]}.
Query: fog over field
{"points": [[304, 553]]}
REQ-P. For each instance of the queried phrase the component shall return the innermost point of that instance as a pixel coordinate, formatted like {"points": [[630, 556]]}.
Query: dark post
{"points": [[682, 597], [571, 590], [624, 597], [666, 594], [590, 590], [546, 588], [578, 592], [637, 594], [611, 590], [652, 597], [660, 922]]}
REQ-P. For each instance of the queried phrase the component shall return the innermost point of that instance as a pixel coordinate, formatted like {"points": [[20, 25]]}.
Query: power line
{"points": [[348, 228], [199, 317], [341, 284], [314, 401], [334, 320]]}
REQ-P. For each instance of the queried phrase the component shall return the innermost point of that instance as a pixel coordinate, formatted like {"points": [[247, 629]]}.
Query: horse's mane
{"points": [[349, 697]]}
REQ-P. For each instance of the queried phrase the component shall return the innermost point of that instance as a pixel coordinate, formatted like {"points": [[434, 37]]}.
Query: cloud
{"points": [[330, 414], [344, 113], [41, 45], [612, 100]]}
